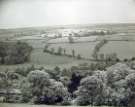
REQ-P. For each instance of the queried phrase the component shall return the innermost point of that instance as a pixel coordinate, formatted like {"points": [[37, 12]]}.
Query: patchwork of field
{"points": [[122, 43], [39, 57]]}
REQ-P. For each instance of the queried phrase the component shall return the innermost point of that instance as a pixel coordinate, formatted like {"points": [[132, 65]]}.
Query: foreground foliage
{"points": [[80, 85], [14, 52]]}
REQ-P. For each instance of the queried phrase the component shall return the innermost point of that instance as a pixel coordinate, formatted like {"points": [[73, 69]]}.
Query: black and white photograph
{"points": [[67, 53]]}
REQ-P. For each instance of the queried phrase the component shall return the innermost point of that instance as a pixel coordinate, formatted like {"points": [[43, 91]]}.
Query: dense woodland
{"points": [[14, 52]]}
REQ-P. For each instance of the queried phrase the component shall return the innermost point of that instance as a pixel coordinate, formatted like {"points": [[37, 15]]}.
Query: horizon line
{"points": [[66, 25]]}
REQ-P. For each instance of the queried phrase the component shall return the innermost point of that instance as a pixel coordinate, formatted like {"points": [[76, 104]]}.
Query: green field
{"points": [[118, 37], [84, 49], [40, 58], [124, 49]]}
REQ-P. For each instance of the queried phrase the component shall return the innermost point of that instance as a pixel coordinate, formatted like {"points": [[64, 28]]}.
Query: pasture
{"points": [[45, 59], [38, 57], [124, 49], [84, 49]]}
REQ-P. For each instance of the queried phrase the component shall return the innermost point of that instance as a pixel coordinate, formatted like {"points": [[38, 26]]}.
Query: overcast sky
{"points": [[25, 13]]}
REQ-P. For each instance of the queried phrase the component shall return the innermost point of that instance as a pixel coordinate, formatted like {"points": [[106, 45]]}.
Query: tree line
{"points": [[61, 51]]}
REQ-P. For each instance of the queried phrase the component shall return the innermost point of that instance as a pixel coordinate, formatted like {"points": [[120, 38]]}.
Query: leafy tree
{"points": [[116, 77], [52, 50], [8, 81], [26, 91], [90, 91], [111, 59], [102, 57], [98, 47], [64, 51], [79, 56], [37, 81], [46, 48], [23, 71], [73, 53], [46, 90], [117, 72], [65, 80], [71, 39], [3, 47], [59, 52], [133, 58], [60, 93], [75, 82], [65, 72], [130, 79]]}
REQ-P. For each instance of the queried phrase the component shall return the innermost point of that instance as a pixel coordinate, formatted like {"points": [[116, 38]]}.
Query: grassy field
{"points": [[118, 37], [124, 49], [84, 49], [40, 58], [30, 105]]}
